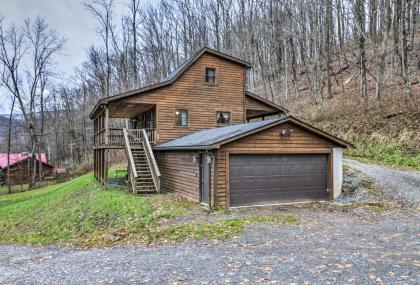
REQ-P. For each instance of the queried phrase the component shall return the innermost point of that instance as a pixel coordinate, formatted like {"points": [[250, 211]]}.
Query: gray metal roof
{"points": [[175, 71], [207, 138]]}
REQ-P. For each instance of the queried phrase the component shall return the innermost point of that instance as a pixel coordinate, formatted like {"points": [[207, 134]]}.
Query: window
{"points": [[222, 118], [181, 118], [210, 77]]}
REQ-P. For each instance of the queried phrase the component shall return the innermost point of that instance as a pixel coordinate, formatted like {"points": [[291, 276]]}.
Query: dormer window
{"points": [[210, 77]]}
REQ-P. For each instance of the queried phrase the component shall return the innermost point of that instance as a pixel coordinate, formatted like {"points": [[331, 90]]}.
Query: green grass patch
{"points": [[15, 189], [284, 219], [217, 230], [82, 212], [384, 150], [374, 206]]}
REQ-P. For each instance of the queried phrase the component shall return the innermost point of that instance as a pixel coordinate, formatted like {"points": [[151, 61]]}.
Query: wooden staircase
{"points": [[144, 173], [144, 180]]}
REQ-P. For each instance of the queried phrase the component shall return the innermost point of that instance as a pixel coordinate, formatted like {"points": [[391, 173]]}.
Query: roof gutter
{"points": [[193, 147]]}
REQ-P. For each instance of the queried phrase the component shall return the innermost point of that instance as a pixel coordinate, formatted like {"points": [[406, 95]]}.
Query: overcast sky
{"points": [[68, 17]]}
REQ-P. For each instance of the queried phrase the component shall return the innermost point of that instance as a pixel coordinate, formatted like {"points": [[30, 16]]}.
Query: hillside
{"points": [[386, 132]]}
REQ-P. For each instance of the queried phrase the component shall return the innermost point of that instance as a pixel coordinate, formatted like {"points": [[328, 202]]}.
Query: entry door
{"points": [[205, 173]]}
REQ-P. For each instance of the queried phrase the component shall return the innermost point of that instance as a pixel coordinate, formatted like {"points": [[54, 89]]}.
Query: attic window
{"points": [[223, 118], [210, 77]]}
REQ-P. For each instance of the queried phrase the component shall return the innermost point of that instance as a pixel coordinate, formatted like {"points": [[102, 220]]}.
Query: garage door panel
{"points": [[272, 184], [286, 197], [257, 179], [274, 191]]}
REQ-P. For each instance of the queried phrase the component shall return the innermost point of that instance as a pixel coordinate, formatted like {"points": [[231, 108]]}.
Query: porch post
{"points": [[106, 125], [106, 154], [94, 163]]}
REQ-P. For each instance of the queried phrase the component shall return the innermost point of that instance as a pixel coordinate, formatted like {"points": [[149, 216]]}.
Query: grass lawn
{"points": [[383, 150], [15, 189], [387, 156], [82, 212]]}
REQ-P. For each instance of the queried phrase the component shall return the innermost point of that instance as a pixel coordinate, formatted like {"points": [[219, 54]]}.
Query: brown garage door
{"points": [[258, 179]]}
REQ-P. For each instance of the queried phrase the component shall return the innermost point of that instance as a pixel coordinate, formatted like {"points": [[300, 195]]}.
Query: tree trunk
{"points": [[9, 136], [360, 19]]}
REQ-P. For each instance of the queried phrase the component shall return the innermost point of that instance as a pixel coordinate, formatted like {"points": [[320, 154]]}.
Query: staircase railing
{"points": [[135, 136], [131, 164], [151, 161]]}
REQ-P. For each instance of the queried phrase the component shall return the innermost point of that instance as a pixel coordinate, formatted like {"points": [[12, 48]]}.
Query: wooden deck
{"points": [[114, 137]]}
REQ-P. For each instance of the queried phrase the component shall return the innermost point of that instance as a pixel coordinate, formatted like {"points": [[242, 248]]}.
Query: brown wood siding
{"points": [[267, 141], [202, 100], [21, 172], [179, 174], [253, 104]]}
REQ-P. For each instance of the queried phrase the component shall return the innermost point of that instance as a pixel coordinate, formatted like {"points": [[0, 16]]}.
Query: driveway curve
{"points": [[394, 182]]}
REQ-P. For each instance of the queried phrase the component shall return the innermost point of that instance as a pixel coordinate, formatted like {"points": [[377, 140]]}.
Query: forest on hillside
{"points": [[322, 59]]}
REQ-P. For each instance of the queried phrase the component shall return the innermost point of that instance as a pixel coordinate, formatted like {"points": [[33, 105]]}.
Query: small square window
{"points": [[223, 118], [181, 117], [210, 77]]}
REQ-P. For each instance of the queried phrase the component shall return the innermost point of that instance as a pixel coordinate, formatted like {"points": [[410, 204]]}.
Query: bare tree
{"points": [[102, 10], [41, 45], [359, 11], [9, 136]]}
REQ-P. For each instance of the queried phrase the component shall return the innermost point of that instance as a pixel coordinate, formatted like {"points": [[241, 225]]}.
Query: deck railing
{"points": [[116, 136]]}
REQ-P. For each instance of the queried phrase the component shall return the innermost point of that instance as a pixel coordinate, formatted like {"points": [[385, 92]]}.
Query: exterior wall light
{"points": [[286, 132]]}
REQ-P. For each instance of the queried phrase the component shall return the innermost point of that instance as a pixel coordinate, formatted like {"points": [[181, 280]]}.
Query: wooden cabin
{"points": [[201, 134], [21, 167]]}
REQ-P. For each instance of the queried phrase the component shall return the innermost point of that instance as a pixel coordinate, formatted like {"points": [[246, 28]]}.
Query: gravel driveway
{"points": [[328, 248], [329, 245], [395, 182]]}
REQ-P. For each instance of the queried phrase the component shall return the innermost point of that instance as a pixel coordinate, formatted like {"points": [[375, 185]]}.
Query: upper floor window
{"points": [[223, 118], [181, 117], [210, 76]]}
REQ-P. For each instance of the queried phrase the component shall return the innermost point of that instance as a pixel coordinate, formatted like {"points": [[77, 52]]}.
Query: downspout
{"points": [[212, 176], [213, 188]]}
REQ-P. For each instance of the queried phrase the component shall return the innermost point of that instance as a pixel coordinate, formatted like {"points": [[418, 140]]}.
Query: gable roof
{"points": [[265, 101], [214, 138], [17, 157], [172, 77]]}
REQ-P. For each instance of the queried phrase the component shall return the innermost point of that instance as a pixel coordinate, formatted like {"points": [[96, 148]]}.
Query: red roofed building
{"points": [[20, 168]]}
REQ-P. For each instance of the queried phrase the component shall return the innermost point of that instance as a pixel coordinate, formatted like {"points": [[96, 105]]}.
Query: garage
{"points": [[261, 179], [275, 161]]}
